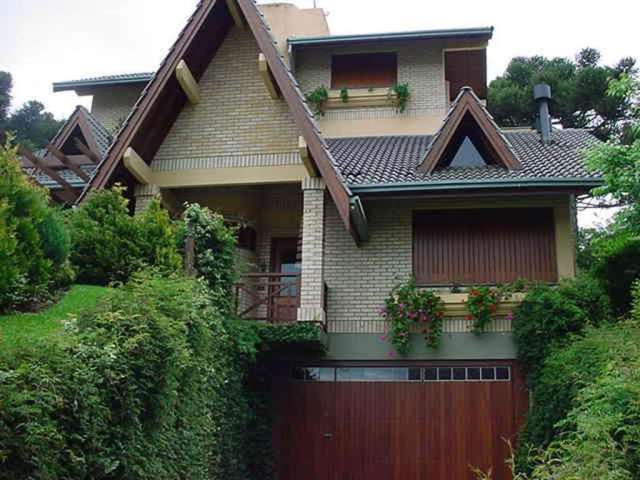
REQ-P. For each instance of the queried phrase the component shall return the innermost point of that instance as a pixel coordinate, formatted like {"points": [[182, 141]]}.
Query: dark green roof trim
{"points": [[581, 183], [482, 32], [106, 81]]}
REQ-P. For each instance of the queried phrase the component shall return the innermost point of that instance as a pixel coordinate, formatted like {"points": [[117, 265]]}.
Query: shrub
{"points": [[110, 245], [585, 417], [154, 383], [214, 245], [545, 316], [32, 237], [617, 267]]}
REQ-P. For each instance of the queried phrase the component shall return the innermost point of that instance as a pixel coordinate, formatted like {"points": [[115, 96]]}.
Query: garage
{"points": [[411, 422]]}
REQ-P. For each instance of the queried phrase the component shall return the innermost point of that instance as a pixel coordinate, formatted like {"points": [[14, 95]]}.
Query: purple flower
{"points": [[392, 354], [383, 338], [510, 316]]}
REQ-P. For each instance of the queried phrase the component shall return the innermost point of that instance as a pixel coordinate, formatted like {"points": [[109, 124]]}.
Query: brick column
{"points": [[312, 280], [144, 194]]}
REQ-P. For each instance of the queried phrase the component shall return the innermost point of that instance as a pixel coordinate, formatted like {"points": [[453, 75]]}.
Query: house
{"points": [[344, 194]]}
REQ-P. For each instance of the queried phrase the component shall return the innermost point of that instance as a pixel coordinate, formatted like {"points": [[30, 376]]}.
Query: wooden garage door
{"points": [[407, 423]]}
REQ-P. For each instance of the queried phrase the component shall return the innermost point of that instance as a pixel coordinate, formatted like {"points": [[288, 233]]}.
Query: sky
{"points": [[45, 41]]}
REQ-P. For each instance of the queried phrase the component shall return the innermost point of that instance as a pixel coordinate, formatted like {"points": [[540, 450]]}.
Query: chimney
{"points": [[542, 96]]}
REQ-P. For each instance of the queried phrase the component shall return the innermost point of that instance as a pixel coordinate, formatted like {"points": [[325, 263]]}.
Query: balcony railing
{"points": [[268, 297]]}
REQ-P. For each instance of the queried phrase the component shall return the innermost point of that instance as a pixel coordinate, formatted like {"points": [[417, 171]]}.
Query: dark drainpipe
{"points": [[542, 95]]}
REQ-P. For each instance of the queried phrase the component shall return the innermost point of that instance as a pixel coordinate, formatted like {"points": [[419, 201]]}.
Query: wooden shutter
{"points": [[364, 70], [484, 246], [466, 68]]}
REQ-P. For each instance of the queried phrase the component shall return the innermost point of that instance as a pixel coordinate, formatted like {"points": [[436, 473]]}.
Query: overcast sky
{"points": [[44, 41]]}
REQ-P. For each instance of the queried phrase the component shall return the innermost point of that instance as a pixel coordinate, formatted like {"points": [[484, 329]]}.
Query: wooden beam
{"points": [[67, 162], [306, 158], [137, 166], [86, 150], [188, 83], [51, 173], [232, 5], [267, 76]]}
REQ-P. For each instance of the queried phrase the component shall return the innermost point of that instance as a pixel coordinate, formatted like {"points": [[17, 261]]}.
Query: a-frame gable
{"points": [[162, 100], [468, 118]]}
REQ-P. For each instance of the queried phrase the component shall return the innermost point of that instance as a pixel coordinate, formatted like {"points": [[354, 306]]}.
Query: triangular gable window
{"points": [[468, 139], [467, 156]]}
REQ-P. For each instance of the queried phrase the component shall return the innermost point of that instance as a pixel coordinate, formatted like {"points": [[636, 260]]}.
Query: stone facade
{"points": [[144, 195], [111, 105], [419, 64], [236, 115]]}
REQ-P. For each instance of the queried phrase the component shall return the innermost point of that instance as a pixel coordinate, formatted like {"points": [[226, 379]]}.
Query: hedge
{"points": [[154, 384]]}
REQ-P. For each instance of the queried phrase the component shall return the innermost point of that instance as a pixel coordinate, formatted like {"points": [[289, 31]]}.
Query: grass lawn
{"points": [[21, 327]]}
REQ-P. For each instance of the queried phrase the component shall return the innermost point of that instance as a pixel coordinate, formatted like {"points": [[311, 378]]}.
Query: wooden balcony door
{"points": [[284, 304]]}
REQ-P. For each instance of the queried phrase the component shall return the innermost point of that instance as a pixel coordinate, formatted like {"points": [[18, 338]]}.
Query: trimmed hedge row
{"points": [[154, 384]]}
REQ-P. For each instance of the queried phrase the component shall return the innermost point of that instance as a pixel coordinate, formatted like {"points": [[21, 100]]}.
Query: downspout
{"points": [[358, 219]]}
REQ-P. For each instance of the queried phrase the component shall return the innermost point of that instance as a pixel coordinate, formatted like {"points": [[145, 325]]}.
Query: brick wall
{"points": [[111, 105], [419, 64], [235, 116], [360, 278]]}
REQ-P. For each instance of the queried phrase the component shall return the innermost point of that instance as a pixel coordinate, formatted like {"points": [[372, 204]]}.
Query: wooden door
{"points": [[398, 430], [284, 302], [303, 428]]}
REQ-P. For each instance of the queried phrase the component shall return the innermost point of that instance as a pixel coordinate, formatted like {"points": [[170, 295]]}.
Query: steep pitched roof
{"points": [[468, 116], [162, 99], [372, 162]]}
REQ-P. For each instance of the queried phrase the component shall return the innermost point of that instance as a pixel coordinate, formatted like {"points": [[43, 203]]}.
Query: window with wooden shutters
{"points": [[466, 68], [484, 246], [364, 70]]}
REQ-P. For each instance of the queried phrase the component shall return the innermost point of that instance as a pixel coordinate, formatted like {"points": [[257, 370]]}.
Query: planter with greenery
{"points": [[317, 99], [410, 308], [400, 97]]}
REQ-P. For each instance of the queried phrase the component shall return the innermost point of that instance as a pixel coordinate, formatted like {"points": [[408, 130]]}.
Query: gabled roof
{"points": [[103, 81], [389, 163], [162, 99], [64, 178], [482, 33], [468, 108]]}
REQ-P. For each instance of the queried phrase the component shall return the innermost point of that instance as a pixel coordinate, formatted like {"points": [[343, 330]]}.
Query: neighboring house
{"points": [[335, 210]]}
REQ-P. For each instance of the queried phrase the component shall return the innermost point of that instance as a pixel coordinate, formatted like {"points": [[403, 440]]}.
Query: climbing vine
{"points": [[344, 95], [318, 99], [482, 304], [408, 308]]}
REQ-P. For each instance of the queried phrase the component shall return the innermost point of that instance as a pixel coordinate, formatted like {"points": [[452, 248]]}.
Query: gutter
{"points": [[78, 84], [474, 184], [378, 37]]}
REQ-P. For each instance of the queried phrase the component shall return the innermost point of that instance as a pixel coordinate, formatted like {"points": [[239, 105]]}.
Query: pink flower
{"points": [[510, 316], [383, 338], [392, 354]]}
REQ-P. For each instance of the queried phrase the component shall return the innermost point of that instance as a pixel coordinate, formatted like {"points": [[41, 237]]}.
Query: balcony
{"points": [[268, 297]]}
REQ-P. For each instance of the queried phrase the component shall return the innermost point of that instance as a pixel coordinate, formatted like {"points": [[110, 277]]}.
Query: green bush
{"points": [[618, 267], [33, 241], [153, 383], [585, 415], [109, 245], [548, 315], [152, 387], [214, 245]]}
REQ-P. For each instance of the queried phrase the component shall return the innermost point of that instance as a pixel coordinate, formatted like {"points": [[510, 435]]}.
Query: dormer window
{"points": [[364, 70]]}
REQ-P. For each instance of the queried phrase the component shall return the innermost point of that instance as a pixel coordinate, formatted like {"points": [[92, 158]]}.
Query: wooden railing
{"points": [[268, 297]]}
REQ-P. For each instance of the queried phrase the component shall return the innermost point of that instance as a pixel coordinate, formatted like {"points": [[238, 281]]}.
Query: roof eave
{"points": [[80, 85], [485, 33], [579, 184]]}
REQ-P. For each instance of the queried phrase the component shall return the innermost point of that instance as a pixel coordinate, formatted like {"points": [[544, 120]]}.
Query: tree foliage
{"points": [[579, 89], [33, 240], [108, 244], [32, 125]]}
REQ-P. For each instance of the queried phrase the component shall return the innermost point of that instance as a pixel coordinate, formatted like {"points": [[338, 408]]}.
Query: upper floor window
{"points": [[484, 246], [364, 70], [466, 68]]}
